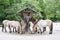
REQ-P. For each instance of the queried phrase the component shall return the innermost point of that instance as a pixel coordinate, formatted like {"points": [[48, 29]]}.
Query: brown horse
{"points": [[32, 22]]}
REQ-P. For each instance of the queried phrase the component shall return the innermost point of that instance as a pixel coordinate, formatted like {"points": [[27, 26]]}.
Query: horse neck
{"points": [[31, 24], [20, 23], [36, 22]]}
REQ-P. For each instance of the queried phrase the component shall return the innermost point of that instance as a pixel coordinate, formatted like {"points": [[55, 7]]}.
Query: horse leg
{"points": [[26, 28], [44, 29], [38, 29], [41, 30], [13, 29], [18, 29], [5, 29], [51, 28], [34, 30], [21, 30], [10, 29], [2, 27]]}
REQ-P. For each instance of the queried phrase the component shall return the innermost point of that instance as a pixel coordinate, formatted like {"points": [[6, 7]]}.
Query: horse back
{"points": [[49, 22]]}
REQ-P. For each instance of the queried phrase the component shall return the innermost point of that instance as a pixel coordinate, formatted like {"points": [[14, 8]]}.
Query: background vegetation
{"points": [[50, 9]]}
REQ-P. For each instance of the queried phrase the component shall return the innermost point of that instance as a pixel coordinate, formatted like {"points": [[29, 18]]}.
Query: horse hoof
{"points": [[21, 32], [32, 33], [50, 33], [5, 31], [38, 32], [15, 31], [10, 32], [18, 32], [41, 32]]}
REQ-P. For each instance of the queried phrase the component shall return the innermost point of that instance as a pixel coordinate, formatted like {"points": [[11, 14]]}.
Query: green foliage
{"points": [[9, 8], [37, 16]]}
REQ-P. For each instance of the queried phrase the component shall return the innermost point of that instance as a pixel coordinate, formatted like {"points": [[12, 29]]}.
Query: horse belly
{"points": [[43, 23]]}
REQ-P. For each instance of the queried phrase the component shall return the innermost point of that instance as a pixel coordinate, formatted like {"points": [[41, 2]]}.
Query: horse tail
{"points": [[51, 28], [2, 27]]}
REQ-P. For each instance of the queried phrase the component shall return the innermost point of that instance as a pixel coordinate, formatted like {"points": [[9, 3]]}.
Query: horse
{"points": [[31, 26], [23, 25], [4, 25], [41, 24], [15, 24], [32, 22]]}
